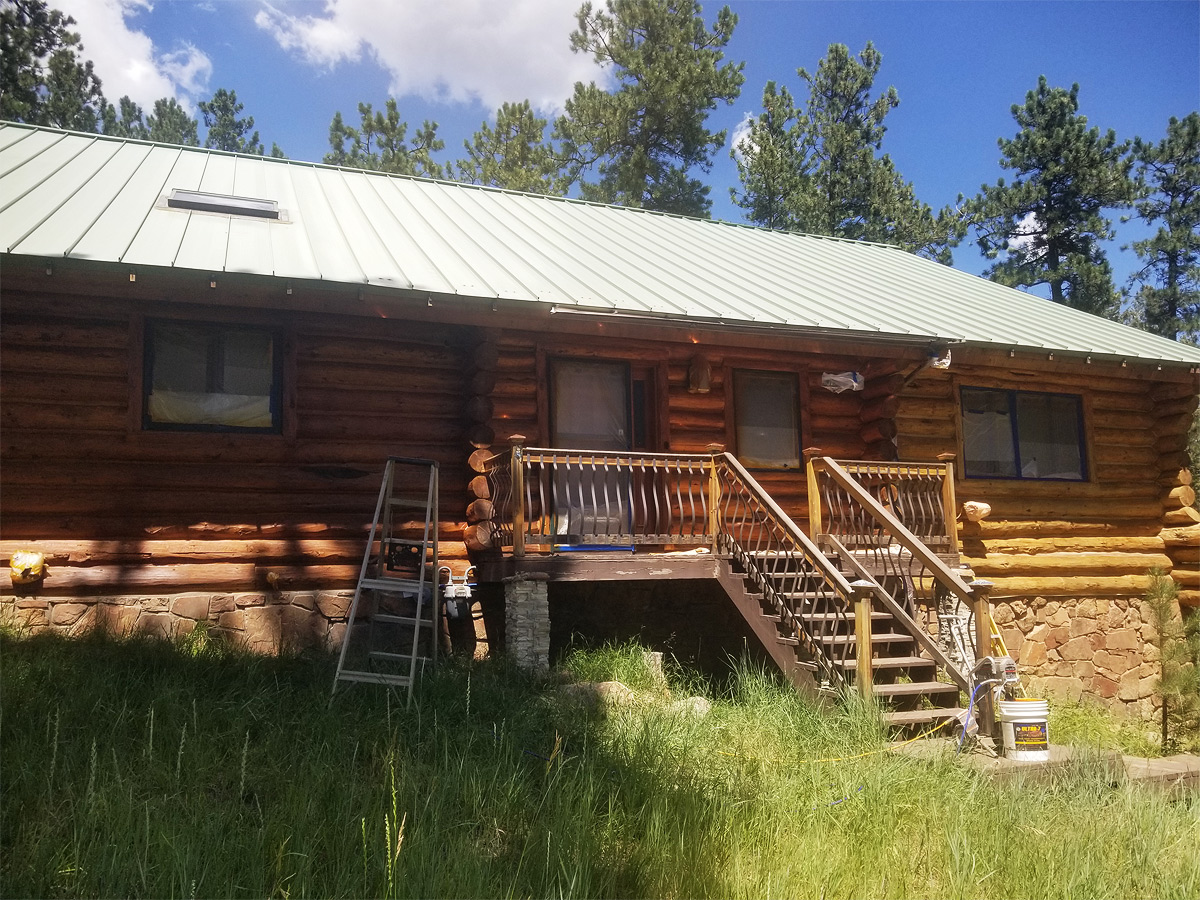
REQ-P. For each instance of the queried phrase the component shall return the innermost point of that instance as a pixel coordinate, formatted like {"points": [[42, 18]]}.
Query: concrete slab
{"points": [[1178, 775]]}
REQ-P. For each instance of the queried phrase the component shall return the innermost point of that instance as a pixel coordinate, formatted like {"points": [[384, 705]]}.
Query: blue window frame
{"points": [[1023, 435]]}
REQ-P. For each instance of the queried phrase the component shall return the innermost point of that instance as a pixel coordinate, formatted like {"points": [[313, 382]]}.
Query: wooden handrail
{"points": [[827, 568], [943, 573]]}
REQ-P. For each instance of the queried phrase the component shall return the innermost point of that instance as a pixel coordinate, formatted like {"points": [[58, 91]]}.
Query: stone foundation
{"points": [[264, 622], [1070, 648], [527, 621]]}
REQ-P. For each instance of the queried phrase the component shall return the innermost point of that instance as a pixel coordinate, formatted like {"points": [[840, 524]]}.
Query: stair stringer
{"points": [[800, 674]]}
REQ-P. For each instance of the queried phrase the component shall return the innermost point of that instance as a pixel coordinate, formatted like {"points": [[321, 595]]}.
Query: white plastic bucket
{"points": [[1024, 729]]}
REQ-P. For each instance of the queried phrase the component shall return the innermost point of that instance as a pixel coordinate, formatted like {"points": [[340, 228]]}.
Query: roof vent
{"points": [[223, 203]]}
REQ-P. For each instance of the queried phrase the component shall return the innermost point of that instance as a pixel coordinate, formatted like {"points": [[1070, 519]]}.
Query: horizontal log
{"points": [[1183, 495], [130, 579], [879, 408], [380, 353], [480, 510], [878, 430], [1066, 564], [1126, 455], [151, 550], [478, 410], [325, 401], [1189, 598], [478, 536], [993, 528], [882, 387], [1186, 578], [987, 489], [1130, 422], [27, 529], [1172, 477], [942, 430], [25, 330], [1067, 508], [1019, 546], [372, 427], [20, 416], [1186, 515], [1071, 586], [1176, 424], [480, 436], [482, 382], [56, 362], [1117, 474], [72, 390], [477, 462], [479, 488], [1176, 406], [1141, 437], [1186, 536], [443, 381]]}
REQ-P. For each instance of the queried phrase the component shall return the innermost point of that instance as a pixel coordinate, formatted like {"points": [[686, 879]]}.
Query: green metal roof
{"points": [[85, 196]]}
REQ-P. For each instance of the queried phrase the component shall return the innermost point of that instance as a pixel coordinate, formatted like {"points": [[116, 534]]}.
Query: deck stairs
{"points": [[794, 599]]}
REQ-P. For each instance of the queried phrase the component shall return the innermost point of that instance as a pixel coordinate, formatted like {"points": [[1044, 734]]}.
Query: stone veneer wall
{"points": [[1069, 648], [527, 621], [261, 621]]}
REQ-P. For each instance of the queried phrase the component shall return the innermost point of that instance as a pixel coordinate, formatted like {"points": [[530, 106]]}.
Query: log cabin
{"points": [[710, 436]]}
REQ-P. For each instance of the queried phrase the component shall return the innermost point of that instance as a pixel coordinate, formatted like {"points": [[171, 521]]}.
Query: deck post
{"points": [[714, 495], [949, 504], [814, 491], [862, 637], [981, 608], [518, 494]]}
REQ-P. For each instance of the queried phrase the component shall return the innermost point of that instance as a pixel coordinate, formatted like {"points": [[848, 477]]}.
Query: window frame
{"points": [[1011, 395], [798, 380], [275, 396]]}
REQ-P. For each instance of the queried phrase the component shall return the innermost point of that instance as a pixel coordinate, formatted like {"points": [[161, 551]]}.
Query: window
{"points": [[766, 419], [1022, 434], [211, 377], [601, 405]]}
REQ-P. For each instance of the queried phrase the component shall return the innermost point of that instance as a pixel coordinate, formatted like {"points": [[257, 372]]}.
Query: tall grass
{"points": [[134, 768]]}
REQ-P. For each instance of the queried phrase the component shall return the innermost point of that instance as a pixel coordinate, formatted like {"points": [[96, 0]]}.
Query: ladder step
{"points": [[396, 585], [374, 678], [405, 503], [405, 542], [401, 657], [400, 620]]}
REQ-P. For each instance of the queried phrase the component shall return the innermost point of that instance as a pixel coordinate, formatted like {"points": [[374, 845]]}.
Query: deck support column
{"points": [[527, 620], [981, 608], [865, 676]]}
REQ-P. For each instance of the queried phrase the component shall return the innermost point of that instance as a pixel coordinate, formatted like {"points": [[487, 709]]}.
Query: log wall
{"points": [[126, 515], [1071, 560]]}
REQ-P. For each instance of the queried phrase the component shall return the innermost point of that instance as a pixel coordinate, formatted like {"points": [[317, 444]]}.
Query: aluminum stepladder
{"points": [[395, 618]]}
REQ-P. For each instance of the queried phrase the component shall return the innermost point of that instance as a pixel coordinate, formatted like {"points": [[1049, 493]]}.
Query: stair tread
{"points": [[914, 688], [921, 716], [893, 662], [887, 637]]}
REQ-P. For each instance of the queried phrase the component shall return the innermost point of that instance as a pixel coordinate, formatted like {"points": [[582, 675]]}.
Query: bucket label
{"points": [[1030, 736]]}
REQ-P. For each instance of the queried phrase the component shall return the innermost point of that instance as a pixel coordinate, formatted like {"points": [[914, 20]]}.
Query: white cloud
{"points": [[739, 137], [126, 60], [445, 50], [1025, 235]]}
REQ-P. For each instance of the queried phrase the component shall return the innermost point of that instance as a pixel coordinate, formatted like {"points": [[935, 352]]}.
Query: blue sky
{"points": [[958, 65]]}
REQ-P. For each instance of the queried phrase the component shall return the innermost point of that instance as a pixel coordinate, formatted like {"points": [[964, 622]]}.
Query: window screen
{"points": [[766, 419], [1022, 434], [210, 376]]}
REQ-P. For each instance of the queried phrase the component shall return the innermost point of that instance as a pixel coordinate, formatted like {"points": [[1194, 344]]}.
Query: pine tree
{"points": [[1046, 227], [514, 154], [771, 166], [226, 131], [170, 124], [124, 120], [1168, 180], [381, 143], [43, 79], [822, 171], [644, 138], [1178, 643]]}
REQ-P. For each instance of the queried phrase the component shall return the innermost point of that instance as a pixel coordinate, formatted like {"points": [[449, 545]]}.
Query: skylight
{"points": [[223, 203]]}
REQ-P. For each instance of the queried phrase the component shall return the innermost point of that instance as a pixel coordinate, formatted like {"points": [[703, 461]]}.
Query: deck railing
{"points": [[570, 499], [893, 523]]}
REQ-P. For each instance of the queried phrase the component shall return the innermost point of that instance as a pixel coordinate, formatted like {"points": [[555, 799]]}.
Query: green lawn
{"points": [[141, 769]]}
